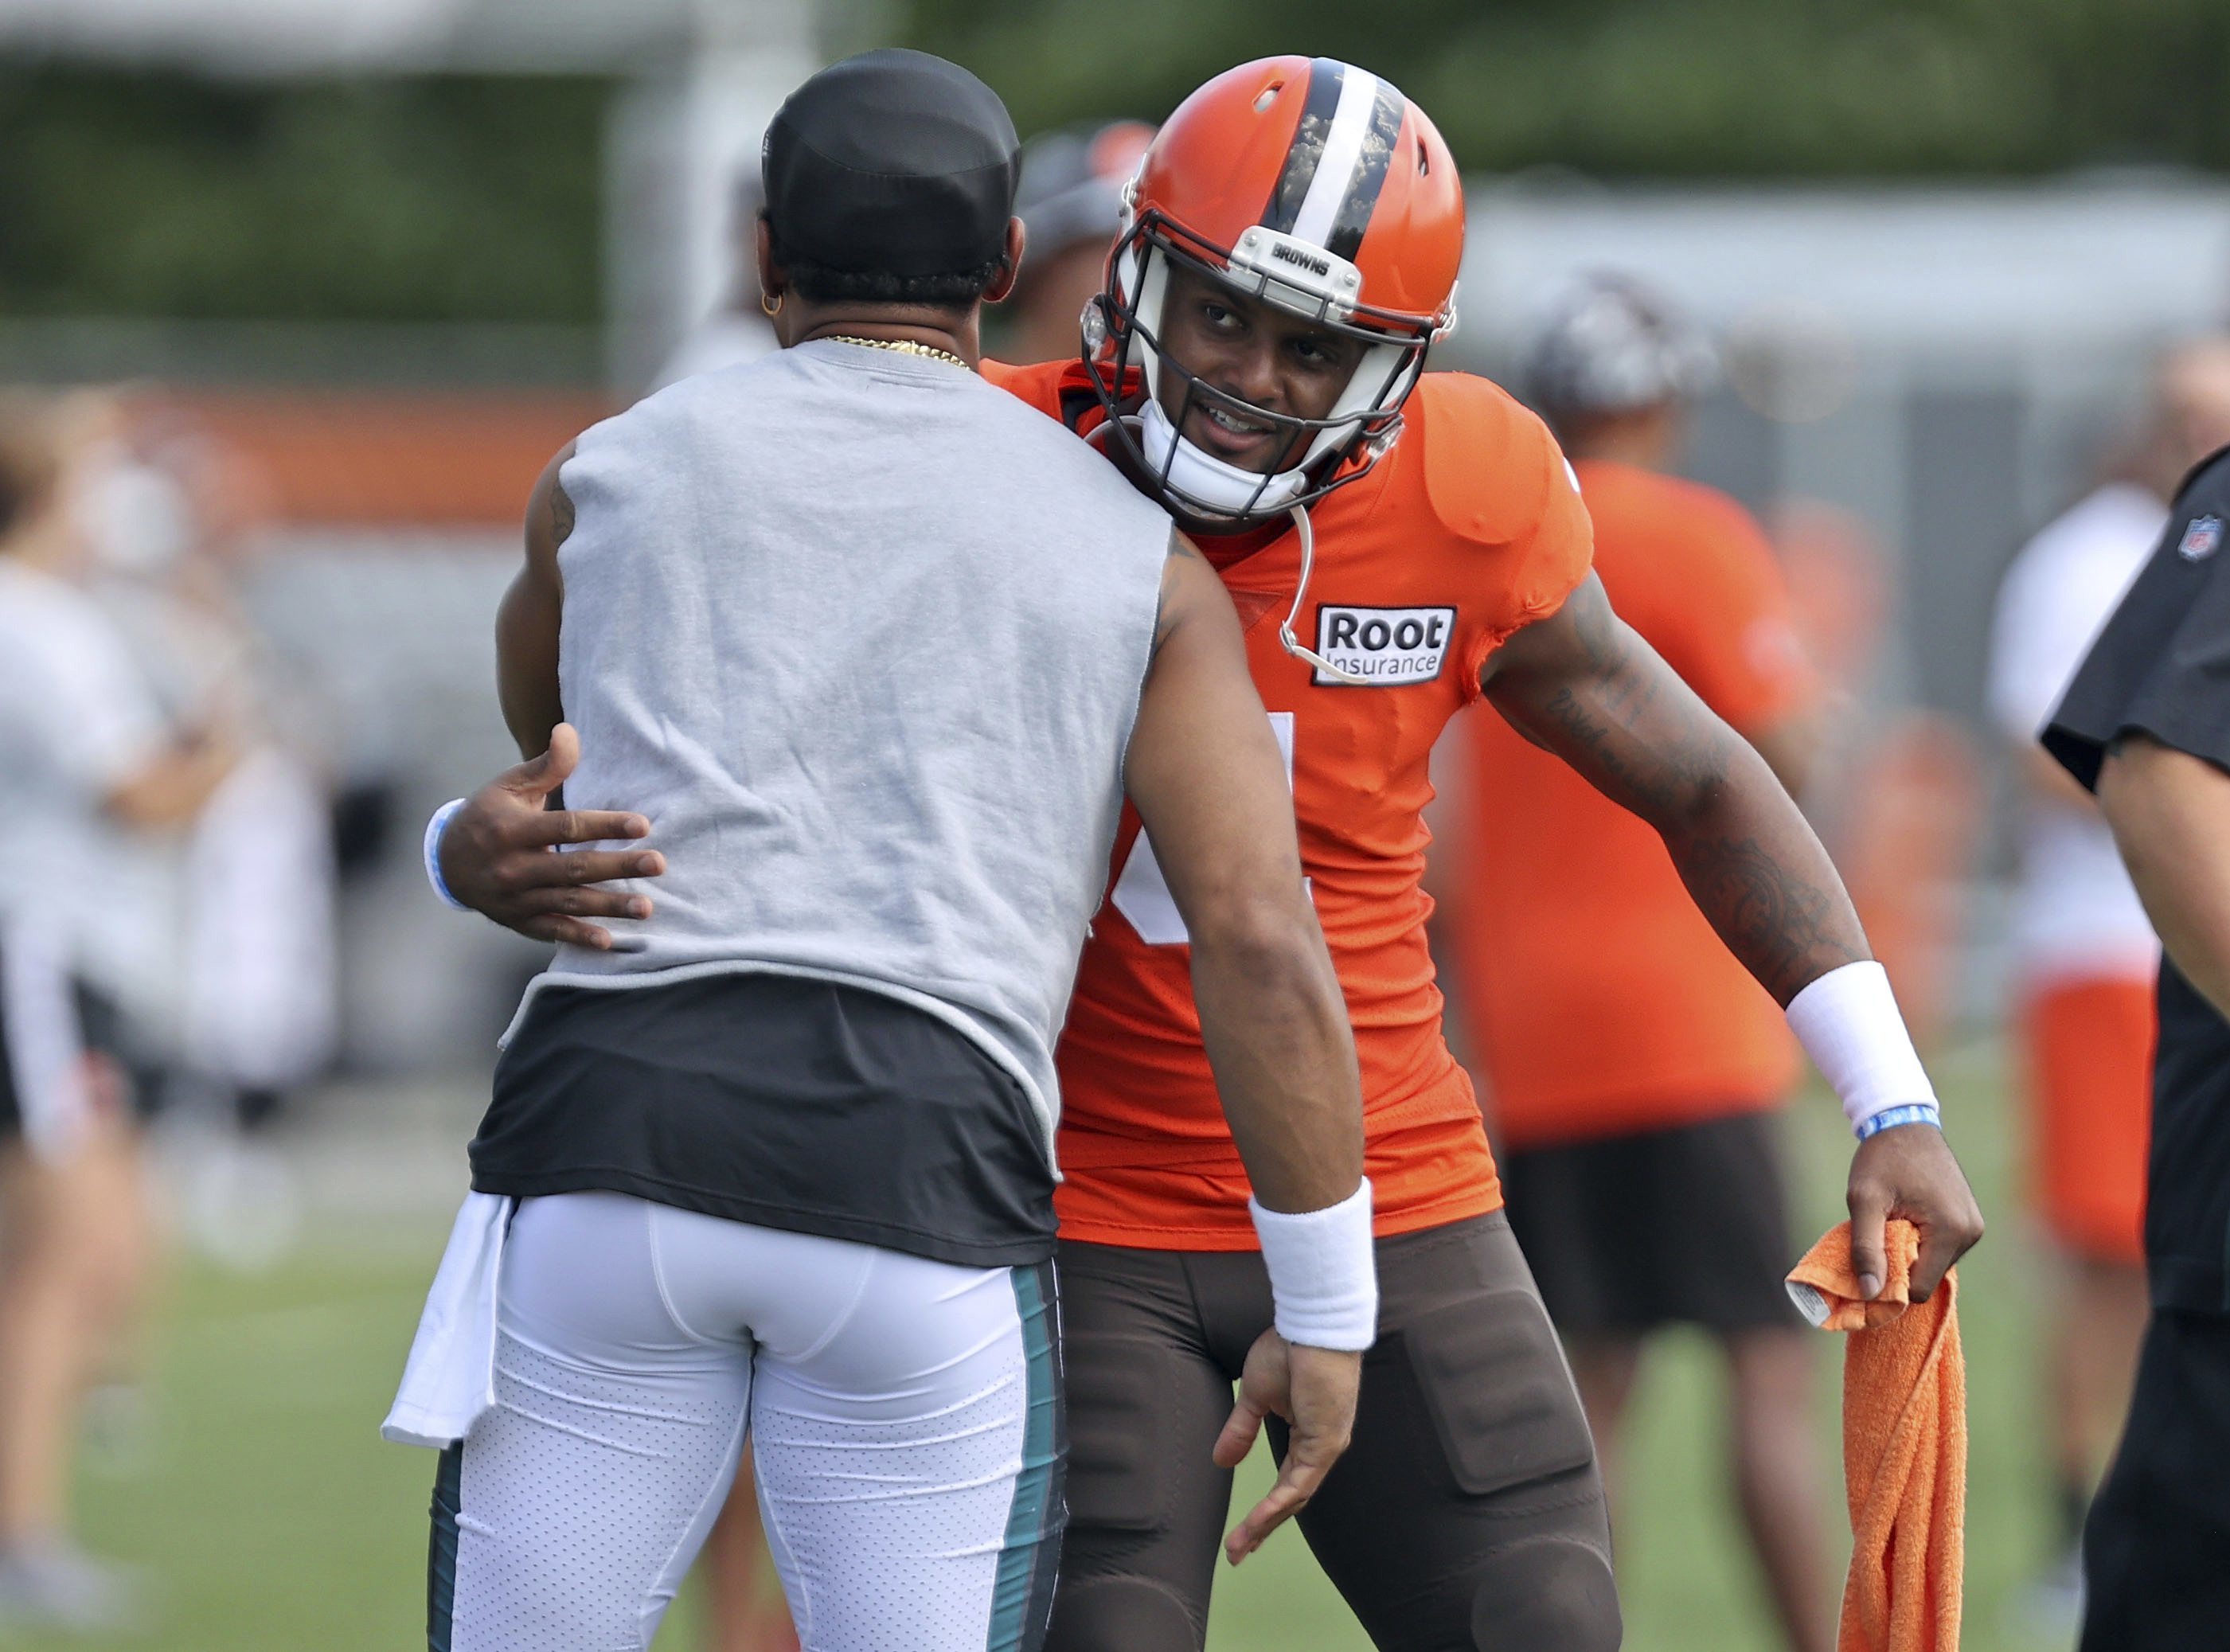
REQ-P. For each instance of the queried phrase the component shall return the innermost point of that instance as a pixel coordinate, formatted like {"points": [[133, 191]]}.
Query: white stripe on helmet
{"points": [[1350, 125]]}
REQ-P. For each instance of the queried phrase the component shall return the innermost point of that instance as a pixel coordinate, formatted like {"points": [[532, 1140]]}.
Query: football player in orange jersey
{"points": [[1399, 543]]}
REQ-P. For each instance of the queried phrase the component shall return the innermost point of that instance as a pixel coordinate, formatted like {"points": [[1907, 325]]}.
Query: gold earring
{"points": [[772, 306]]}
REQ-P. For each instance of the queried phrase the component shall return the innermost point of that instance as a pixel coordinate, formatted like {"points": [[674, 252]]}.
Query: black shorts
{"points": [[11, 1104], [2157, 1545], [1467, 1512], [1687, 1226]]}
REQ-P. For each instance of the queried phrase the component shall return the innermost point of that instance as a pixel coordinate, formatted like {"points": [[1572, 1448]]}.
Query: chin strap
{"points": [[1292, 643], [1202, 483]]}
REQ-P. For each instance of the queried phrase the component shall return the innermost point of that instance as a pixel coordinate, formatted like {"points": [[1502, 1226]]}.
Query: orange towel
{"points": [[1905, 1445]]}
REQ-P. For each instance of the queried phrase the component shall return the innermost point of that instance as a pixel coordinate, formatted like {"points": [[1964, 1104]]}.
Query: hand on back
{"points": [[499, 854]]}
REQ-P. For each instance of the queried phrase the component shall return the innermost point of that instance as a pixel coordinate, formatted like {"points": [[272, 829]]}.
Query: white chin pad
{"points": [[1206, 480]]}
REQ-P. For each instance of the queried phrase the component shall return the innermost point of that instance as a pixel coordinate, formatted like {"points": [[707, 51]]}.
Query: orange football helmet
{"points": [[1313, 185]]}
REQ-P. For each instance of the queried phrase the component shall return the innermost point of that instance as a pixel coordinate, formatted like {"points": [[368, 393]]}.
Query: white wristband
{"points": [[435, 828], [1848, 1023], [1324, 1274]]}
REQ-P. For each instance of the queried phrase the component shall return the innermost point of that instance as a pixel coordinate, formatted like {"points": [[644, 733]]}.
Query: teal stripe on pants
{"points": [[1021, 1597], [442, 1551]]}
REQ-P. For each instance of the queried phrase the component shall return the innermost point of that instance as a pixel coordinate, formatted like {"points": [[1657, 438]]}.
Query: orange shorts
{"points": [[2090, 1050]]}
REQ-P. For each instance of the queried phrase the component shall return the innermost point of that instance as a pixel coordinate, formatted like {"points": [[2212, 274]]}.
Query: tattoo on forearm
{"points": [[1605, 717], [1788, 930], [1649, 781], [1608, 706]]}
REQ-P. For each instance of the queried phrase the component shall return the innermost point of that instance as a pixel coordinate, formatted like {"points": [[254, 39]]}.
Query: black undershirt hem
{"points": [[788, 1102], [824, 1225]]}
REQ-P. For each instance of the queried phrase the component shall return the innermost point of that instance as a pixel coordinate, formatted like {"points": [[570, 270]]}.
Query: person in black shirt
{"points": [[2146, 726]]}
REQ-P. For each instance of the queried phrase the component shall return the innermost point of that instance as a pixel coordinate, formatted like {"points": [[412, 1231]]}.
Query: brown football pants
{"points": [[1466, 1516]]}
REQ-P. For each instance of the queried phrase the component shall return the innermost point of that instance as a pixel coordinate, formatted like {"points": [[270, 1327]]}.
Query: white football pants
{"points": [[906, 1415]]}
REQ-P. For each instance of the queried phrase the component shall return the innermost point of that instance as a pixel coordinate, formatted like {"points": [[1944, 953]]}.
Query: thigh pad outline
{"points": [[1119, 1470], [1495, 1385]]}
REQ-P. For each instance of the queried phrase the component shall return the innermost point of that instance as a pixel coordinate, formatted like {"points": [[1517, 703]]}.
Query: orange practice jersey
{"points": [[1468, 529], [1598, 999]]}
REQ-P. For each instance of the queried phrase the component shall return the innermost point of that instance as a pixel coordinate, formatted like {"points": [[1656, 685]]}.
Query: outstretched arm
{"points": [[1583, 686]]}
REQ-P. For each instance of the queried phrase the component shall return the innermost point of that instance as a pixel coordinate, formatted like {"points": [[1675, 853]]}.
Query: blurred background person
{"points": [[1896, 788], [1632, 1067], [2087, 956], [739, 331], [163, 511], [88, 772], [746, 1610], [69, 1266], [1071, 204], [251, 954]]}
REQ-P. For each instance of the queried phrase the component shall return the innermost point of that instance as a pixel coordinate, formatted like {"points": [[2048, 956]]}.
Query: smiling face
{"points": [[1254, 352]]}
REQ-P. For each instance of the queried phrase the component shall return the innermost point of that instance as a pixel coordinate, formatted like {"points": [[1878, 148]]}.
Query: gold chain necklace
{"points": [[904, 346]]}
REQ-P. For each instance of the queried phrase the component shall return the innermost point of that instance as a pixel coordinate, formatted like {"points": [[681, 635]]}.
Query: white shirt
{"points": [[77, 719], [2076, 913]]}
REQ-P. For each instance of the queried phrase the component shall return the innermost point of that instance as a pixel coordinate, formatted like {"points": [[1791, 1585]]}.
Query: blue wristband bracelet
{"points": [[1890, 1118], [435, 828]]}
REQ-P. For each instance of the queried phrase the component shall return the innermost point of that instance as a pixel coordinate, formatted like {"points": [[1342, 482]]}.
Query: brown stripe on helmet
{"points": [[1326, 76], [1372, 167]]}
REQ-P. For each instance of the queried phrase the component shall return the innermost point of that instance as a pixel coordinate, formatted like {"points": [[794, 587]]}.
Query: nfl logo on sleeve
{"points": [[1386, 647], [2200, 539]]}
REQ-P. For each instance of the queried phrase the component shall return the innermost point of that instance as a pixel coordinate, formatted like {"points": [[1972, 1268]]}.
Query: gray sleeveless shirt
{"points": [[864, 638]]}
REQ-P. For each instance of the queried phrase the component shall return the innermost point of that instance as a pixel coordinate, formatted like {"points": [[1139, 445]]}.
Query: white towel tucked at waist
{"points": [[450, 1377]]}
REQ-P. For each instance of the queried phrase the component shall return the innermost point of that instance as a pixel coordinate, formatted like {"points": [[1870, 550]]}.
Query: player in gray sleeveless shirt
{"points": [[879, 651]]}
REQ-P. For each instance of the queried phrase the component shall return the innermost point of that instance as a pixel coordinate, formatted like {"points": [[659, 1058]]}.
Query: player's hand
{"points": [[499, 854], [1314, 1390], [1908, 1171]]}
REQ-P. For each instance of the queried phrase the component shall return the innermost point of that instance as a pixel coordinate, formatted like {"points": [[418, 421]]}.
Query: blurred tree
{"points": [[447, 198], [478, 197], [1667, 88]]}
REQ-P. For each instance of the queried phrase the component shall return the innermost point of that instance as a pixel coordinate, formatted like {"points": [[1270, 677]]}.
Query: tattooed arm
{"points": [[1584, 686]]}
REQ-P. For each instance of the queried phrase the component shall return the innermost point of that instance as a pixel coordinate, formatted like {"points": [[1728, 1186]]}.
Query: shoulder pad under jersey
{"points": [[1037, 382], [1489, 461]]}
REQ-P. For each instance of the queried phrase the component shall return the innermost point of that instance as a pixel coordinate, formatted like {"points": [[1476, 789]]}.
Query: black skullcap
{"points": [[892, 163]]}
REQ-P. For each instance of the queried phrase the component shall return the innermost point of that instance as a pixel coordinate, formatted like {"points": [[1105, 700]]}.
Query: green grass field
{"points": [[270, 1517]]}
